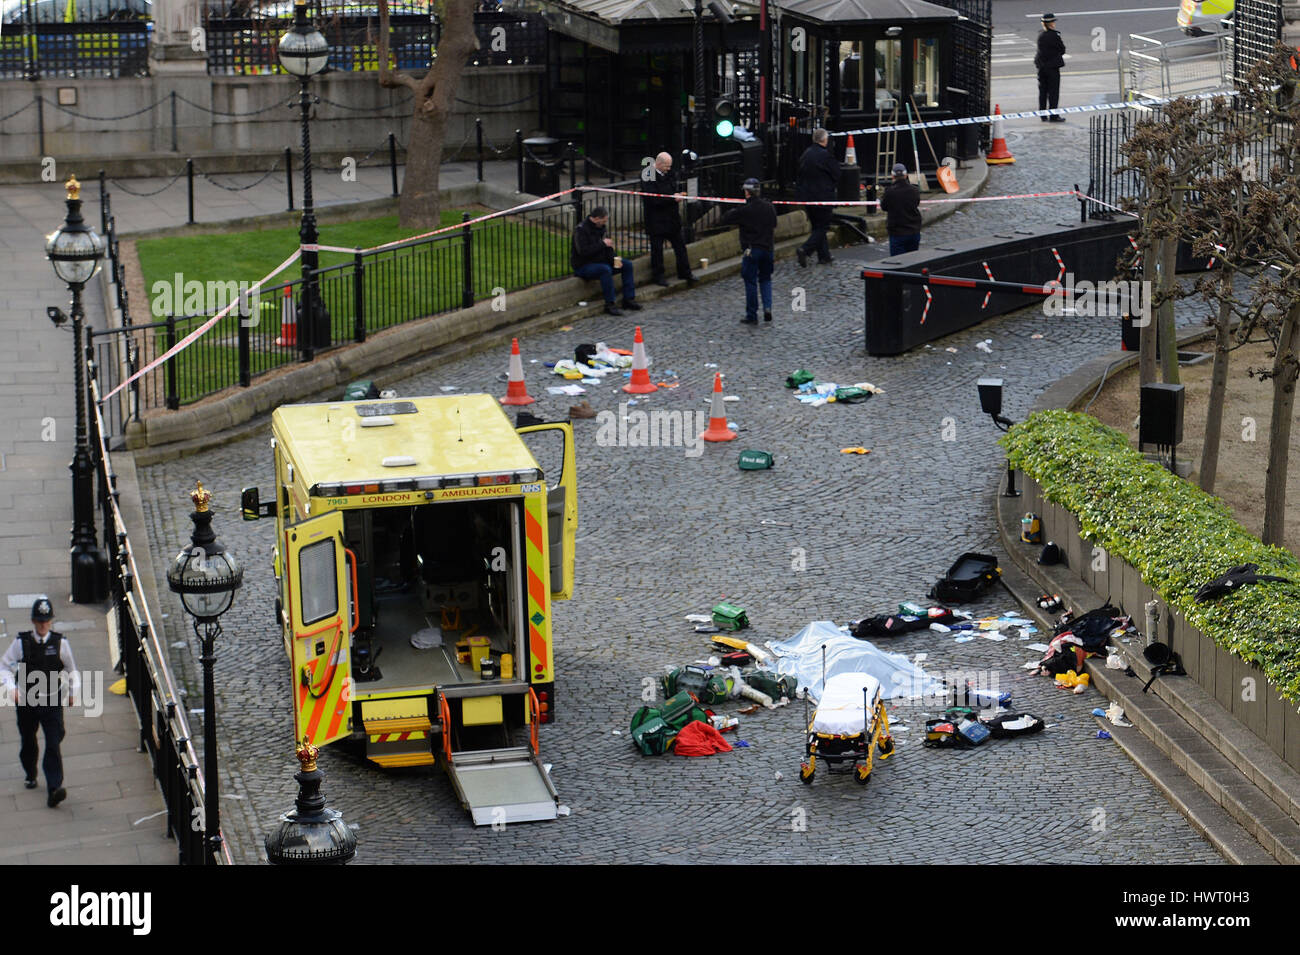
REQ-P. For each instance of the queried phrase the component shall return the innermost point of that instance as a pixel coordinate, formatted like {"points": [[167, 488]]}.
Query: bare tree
{"points": [[1168, 153], [433, 96], [1268, 236]]}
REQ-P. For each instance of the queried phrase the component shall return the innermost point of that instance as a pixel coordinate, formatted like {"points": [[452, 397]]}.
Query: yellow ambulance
{"points": [[419, 544]]}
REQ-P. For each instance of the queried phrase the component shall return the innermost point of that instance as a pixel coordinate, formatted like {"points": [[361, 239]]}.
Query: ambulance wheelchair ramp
{"points": [[501, 786], [399, 742]]}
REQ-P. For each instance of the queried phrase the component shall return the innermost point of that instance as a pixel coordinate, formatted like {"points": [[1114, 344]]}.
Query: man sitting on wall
{"points": [[592, 257]]}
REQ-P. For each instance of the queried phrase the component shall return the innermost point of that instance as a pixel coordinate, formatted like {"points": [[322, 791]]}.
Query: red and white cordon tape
{"points": [[195, 335], [928, 299], [989, 294]]}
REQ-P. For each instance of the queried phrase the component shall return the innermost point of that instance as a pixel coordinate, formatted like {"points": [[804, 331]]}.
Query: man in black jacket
{"points": [[1048, 61], [757, 221], [663, 221], [819, 176], [592, 256], [901, 204]]}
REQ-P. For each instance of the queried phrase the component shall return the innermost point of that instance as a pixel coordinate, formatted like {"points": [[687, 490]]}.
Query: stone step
{"points": [[1192, 739]]}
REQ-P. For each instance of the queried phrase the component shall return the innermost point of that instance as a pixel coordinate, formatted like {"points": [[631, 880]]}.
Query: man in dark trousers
{"points": [[1048, 61], [592, 256], [663, 221], [819, 176], [901, 204], [757, 221], [41, 656]]}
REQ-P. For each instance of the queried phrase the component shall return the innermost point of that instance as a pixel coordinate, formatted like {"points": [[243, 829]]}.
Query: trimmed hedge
{"points": [[1173, 533]]}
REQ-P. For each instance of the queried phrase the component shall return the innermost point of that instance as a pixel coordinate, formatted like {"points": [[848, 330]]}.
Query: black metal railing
{"points": [[1115, 185], [32, 47], [242, 38], [368, 292], [159, 707]]}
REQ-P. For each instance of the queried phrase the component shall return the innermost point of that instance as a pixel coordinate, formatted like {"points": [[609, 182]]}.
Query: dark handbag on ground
{"points": [[968, 579]]}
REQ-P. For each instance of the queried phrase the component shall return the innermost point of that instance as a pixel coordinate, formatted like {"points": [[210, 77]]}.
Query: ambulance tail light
{"points": [[544, 706]]}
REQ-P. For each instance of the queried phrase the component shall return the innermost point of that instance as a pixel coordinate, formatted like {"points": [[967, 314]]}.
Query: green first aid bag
{"points": [[800, 377], [730, 617], [653, 737], [756, 460], [851, 395], [708, 687], [775, 685], [362, 390]]}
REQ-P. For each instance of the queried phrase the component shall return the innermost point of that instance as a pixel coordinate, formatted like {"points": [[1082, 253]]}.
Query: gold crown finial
{"points": [[307, 754], [73, 187], [200, 497]]}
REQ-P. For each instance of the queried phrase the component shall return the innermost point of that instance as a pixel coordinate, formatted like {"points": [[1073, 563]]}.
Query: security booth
{"points": [[870, 64], [622, 73]]}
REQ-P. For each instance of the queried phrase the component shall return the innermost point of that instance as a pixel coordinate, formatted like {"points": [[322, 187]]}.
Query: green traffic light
{"points": [[725, 128]]}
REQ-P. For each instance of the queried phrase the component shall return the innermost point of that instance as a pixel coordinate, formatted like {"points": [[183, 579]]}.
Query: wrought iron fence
{"points": [[1113, 184], [972, 49], [159, 707], [97, 38], [366, 293], [1256, 29], [242, 37]]}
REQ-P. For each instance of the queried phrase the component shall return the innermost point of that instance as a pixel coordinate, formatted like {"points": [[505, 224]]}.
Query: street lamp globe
{"points": [[303, 50], [204, 574], [74, 249]]}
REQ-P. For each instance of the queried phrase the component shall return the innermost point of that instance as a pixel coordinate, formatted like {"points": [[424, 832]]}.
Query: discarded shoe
{"points": [[1050, 602], [582, 410]]}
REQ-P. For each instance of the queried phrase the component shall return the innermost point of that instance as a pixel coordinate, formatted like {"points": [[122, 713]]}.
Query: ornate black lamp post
{"points": [[310, 833], [303, 51], [206, 577], [74, 251]]}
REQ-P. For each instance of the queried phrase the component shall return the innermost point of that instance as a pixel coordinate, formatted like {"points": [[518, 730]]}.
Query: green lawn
{"points": [[399, 285]]}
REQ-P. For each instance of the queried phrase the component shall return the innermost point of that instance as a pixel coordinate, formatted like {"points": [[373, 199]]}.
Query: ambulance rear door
{"points": [[320, 612], [552, 446]]}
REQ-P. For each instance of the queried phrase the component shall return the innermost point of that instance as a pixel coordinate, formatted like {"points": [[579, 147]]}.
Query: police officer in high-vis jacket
{"points": [[43, 661]]}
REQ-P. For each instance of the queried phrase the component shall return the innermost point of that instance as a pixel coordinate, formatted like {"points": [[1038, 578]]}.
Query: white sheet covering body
{"points": [[801, 656], [840, 711]]}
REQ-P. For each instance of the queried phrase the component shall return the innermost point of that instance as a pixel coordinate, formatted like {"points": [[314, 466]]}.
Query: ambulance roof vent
{"points": [[379, 421], [387, 408], [398, 461]]}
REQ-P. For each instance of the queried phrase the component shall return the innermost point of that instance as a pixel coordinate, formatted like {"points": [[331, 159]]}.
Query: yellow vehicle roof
{"points": [[451, 434]]}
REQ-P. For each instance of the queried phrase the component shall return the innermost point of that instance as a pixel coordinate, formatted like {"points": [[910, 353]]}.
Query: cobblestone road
{"points": [[664, 534]]}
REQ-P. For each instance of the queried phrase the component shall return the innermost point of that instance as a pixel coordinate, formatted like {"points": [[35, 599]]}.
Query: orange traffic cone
{"points": [[516, 390], [999, 154], [288, 321], [718, 430], [850, 153], [640, 383]]}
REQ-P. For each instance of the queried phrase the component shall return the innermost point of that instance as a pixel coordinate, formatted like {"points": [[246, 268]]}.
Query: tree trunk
{"points": [[1218, 391], [1147, 341], [1166, 333], [1286, 367], [435, 95]]}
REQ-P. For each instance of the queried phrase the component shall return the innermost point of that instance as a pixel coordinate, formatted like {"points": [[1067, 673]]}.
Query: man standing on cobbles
{"points": [[1048, 61], [757, 221], [819, 176], [41, 657], [901, 204], [663, 220]]}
